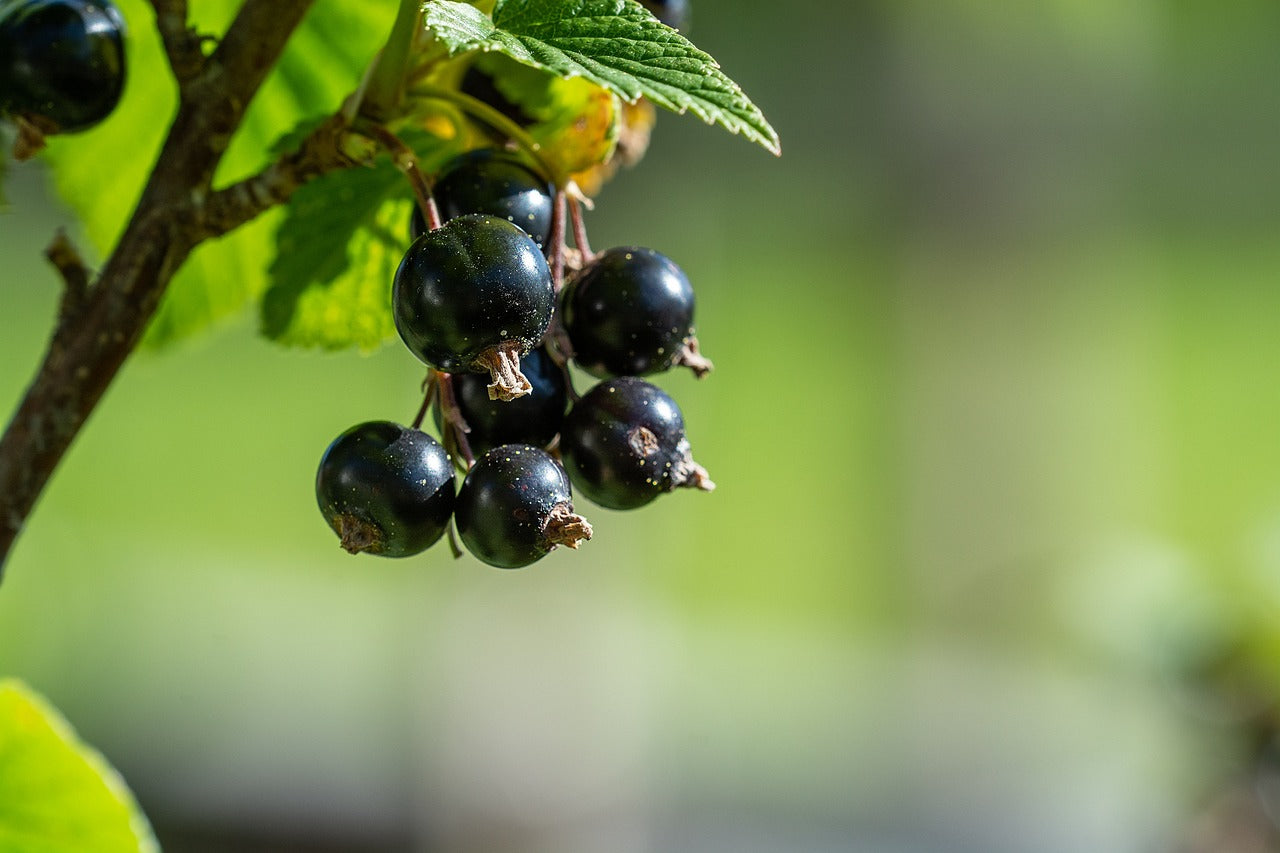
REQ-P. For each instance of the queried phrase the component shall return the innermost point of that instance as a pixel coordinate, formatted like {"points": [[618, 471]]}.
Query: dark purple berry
{"points": [[495, 182], [386, 489], [532, 419], [62, 62], [630, 313], [480, 85], [474, 295], [515, 506], [623, 444]]}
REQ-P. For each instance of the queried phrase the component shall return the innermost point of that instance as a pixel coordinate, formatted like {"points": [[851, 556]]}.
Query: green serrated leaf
{"points": [[617, 44], [58, 795], [100, 173], [342, 237], [337, 251]]}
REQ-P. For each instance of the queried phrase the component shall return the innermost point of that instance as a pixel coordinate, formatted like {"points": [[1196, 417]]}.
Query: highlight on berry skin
{"points": [[474, 295], [516, 506], [624, 445], [62, 62], [386, 489], [629, 312]]}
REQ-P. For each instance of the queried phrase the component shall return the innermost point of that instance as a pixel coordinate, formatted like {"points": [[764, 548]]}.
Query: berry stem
{"points": [[429, 395], [580, 230], [455, 425], [561, 350], [556, 239], [407, 162], [454, 547]]}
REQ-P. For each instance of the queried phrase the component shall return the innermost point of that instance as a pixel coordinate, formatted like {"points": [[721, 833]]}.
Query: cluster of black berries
{"points": [[478, 300], [62, 65]]}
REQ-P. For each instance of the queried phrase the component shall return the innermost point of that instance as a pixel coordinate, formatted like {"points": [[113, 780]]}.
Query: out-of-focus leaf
{"points": [[617, 44], [58, 795], [100, 173]]}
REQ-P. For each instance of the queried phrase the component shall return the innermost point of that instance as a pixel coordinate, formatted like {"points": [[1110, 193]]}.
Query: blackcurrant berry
{"points": [[673, 13], [623, 444], [515, 506], [386, 489], [497, 183], [62, 62], [474, 295], [479, 84], [630, 313], [533, 419]]}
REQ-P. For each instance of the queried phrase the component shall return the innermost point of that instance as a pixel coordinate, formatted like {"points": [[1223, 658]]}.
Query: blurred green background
{"points": [[994, 564]]}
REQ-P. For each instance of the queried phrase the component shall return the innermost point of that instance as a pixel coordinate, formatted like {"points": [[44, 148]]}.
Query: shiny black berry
{"points": [[515, 506], [495, 182], [673, 13], [474, 295], [623, 444], [533, 419], [630, 313], [62, 62], [386, 489]]}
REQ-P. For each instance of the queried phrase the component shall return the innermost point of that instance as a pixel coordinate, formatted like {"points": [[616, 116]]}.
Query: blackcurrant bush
{"points": [[673, 13], [623, 444], [386, 489], [62, 62], [630, 313], [515, 506], [494, 182], [533, 419], [473, 295]]}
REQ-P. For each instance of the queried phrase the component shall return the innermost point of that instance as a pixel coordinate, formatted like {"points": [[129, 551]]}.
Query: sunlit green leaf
{"points": [[100, 173], [617, 44], [58, 795]]}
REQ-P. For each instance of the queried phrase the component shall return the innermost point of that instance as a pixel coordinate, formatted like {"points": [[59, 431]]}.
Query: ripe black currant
{"points": [[623, 444], [473, 295], [515, 506], [533, 419], [673, 13], [630, 313], [494, 182], [386, 489], [62, 63]]}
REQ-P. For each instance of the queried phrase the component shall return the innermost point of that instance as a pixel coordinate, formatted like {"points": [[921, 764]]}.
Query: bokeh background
{"points": [[994, 564]]}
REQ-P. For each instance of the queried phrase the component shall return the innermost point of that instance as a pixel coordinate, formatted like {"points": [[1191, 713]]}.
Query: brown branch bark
{"points": [[177, 211], [181, 42]]}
